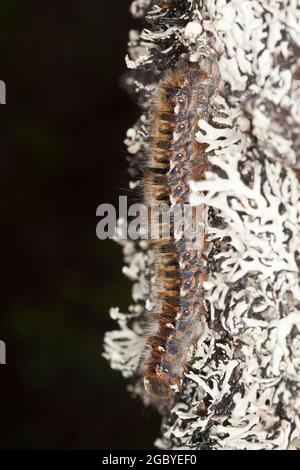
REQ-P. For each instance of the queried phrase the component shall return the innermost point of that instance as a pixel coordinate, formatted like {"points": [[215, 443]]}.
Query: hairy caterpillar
{"points": [[175, 157]]}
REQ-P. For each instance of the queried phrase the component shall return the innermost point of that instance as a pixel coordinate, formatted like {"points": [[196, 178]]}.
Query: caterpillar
{"points": [[175, 157]]}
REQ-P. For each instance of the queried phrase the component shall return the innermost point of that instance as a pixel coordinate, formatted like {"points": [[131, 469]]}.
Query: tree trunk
{"points": [[241, 388]]}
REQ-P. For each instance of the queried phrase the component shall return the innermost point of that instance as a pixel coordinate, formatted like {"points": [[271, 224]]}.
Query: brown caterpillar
{"points": [[174, 158]]}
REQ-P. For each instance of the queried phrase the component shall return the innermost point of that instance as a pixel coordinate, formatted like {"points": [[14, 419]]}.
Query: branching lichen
{"points": [[242, 390]]}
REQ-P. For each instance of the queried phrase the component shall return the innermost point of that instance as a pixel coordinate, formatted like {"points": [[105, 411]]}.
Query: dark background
{"points": [[61, 156]]}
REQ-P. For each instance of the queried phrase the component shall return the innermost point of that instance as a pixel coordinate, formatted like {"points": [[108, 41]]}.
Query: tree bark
{"points": [[242, 386]]}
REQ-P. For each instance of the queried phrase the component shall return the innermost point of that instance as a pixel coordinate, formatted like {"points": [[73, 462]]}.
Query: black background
{"points": [[62, 155]]}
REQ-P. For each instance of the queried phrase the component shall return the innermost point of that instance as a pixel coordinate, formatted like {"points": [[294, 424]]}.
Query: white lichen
{"points": [[243, 387]]}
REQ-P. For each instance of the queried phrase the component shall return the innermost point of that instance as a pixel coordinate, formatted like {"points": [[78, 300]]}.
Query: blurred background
{"points": [[62, 155]]}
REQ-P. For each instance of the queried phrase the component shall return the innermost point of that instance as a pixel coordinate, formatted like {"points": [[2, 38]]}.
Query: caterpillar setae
{"points": [[175, 157]]}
